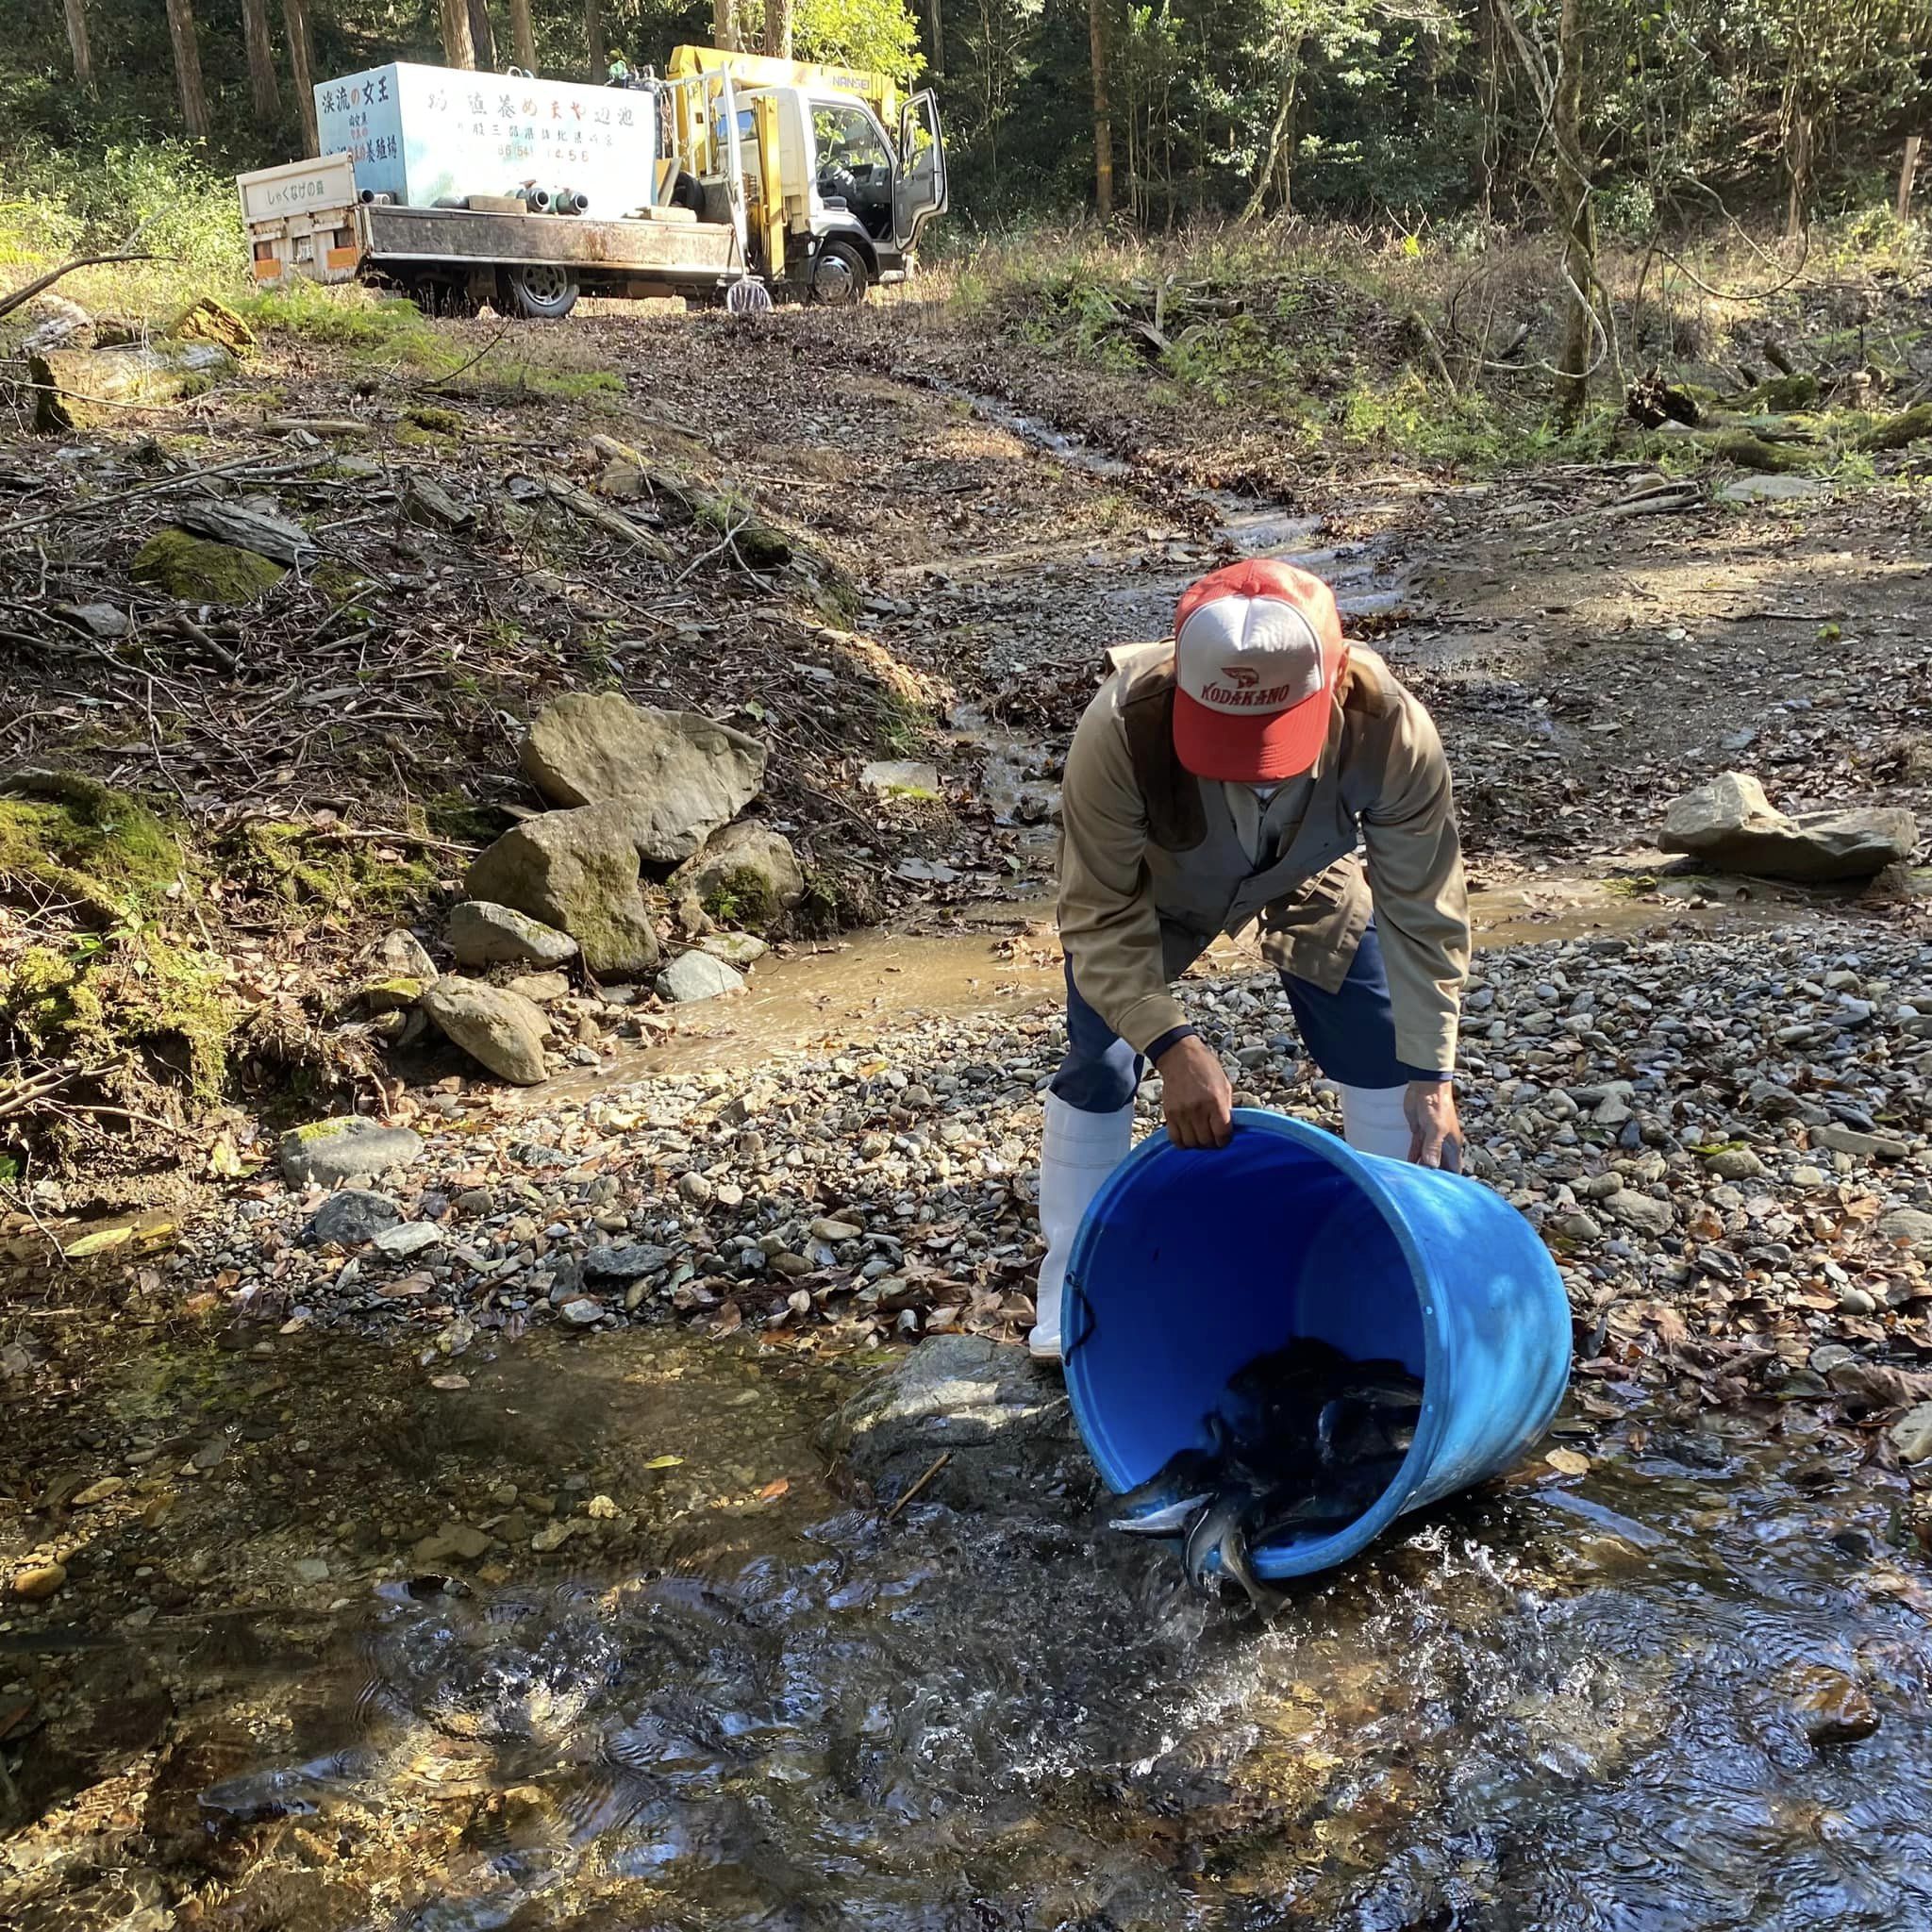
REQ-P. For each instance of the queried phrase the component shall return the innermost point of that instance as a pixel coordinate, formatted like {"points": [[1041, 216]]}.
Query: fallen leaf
{"points": [[772, 1491], [665, 1462], [449, 1381], [1568, 1462]]}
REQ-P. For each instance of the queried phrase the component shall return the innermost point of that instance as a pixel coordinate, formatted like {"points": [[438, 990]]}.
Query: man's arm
{"points": [[1421, 912], [1112, 930]]}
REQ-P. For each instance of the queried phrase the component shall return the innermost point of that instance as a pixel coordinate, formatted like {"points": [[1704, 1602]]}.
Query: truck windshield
{"points": [[849, 138]]}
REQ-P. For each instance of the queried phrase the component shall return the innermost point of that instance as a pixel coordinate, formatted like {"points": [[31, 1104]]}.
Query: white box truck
{"points": [[816, 181]]}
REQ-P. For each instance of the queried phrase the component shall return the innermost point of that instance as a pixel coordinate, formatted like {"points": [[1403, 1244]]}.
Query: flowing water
{"points": [[1686, 1691]]}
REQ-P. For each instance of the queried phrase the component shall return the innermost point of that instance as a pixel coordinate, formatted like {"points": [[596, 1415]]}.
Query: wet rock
{"points": [[679, 776], [697, 976], [353, 1216], [1731, 824], [39, 1581], [345, 1147], [453, 1542], [577, 872], [312, 1569], [1003, 1423], [496, 1028], [1911, 1434], [482, 933], [1834, 1708], [746, 875], [735, 948]]}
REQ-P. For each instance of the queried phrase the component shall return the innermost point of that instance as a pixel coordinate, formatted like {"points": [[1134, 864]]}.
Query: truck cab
{"points": [[839, 176]]}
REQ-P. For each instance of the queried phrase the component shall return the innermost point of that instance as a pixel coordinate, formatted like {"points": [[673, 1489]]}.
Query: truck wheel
{"points": [[540, 293], [838, 276]]}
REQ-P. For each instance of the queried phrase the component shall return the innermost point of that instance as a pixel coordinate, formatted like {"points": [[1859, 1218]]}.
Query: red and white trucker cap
{"points": [[1257, 650]]}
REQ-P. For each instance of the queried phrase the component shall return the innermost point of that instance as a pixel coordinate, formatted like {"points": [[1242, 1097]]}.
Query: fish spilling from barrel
{"points": [[1304, 1441]]}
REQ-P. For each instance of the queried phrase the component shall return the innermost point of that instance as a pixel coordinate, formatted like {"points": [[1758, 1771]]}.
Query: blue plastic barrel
{"points": [[1190, 1264]]}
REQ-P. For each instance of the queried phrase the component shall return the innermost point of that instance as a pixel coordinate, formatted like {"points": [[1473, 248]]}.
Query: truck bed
{"points": [[699, 253]]}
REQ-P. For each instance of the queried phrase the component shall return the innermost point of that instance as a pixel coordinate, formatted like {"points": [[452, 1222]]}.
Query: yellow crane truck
{"points": [[466, 188]]}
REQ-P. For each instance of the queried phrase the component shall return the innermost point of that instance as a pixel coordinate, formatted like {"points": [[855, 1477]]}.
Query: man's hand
{"points": [[1194, 1095], [1434, 1130]]}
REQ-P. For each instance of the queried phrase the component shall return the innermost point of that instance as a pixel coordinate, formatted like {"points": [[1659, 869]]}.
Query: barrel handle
{"points": [[1076, 1319]]}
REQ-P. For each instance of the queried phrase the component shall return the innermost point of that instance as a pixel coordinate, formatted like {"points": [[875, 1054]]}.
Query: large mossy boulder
{"points": [[197, 570], [576, 871], [747, 876], [680, 775]]}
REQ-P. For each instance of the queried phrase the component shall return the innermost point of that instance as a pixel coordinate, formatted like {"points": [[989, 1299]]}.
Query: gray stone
{"points": [[482, 933], [578, 872], [1906, 1224], [1911, 1434], [679, 776], [497, 1028], [402, 955], [629, 1261], [734, 948], [345, 1147], [1005, 1422], [1734, 1164], [901, 778], [454, 1542], [1578, 1226], [540, 989], [1771, 488], [312, 1569], [354, 1216], [1644, 1212], [747, 875], [410, 1238], [582, 1313], [1843, 1140], [1731, 824], [697, 976]]}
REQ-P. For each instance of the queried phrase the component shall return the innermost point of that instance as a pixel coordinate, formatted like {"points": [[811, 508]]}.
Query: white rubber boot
{"points": [[1373, 1120], [1076, 1153]]}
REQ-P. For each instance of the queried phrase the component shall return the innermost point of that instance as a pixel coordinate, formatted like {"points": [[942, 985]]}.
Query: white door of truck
{"points": [[919, 187]]}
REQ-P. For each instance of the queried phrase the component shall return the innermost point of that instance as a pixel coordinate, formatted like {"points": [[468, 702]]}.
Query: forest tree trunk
{"points": [[83, 56], [724, 25], [935, 39], [1279, 158], [1907, 175], [1103, 120], [1573, 211], [265, 94], [458, 50], [482, 35], [188, 68], [523, 34], [778, 28], [301, 69]]}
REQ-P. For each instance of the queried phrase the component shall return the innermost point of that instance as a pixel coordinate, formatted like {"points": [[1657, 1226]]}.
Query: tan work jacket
{"points": [[1151, 869]]}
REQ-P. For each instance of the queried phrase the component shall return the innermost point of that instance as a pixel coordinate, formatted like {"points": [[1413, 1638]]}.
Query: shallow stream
{"points": [[1687, 1690]]}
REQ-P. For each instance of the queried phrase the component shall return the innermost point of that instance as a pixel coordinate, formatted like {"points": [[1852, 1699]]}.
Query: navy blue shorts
{"points": [[1350, 1034]]}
